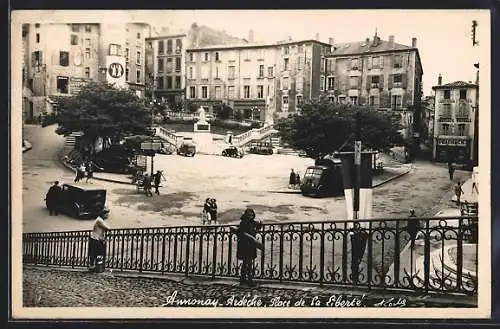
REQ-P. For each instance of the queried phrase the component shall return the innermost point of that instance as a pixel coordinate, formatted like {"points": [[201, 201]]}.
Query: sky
{"points": [[443, 36]]}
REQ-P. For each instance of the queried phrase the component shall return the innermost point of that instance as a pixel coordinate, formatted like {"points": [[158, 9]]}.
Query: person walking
{"points": [[205, 214], [291, 180], [297, 180], [458, 192], [147, 185], [97, 243], [52, 198], [213, 210], [90, 170], [80, 172], [157, 179], [247, 248], [413, 227], [451, 169]]}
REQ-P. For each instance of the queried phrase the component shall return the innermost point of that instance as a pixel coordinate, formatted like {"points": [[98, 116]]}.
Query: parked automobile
{"points": [[232, 151], [261, 148], [82, 202], [116, 159], [323, 179], [302, 154], [166, 149], [187, 149]]}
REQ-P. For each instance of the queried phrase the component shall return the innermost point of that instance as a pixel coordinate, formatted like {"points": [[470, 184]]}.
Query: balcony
{"points": [[445, 118], [452, 140], [446, 101], [462, 117]]}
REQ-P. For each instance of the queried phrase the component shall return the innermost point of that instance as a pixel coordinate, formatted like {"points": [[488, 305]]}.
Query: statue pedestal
{"points": [[202, 126]]}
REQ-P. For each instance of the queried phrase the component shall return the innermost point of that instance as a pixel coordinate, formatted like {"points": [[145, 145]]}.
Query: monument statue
{"points": [[201, 125], [201, 115]]}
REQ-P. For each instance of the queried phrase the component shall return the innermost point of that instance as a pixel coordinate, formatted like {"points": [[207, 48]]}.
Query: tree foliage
{"points": [[100, 109], [323, 128], [223, 111]]}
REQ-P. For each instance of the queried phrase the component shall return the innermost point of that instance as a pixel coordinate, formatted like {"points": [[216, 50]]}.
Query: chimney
{"points": [[391, 41], [367, 40], [440, 80], [331, 41], [317, 36], [289, 38], [250, 36], [414, 42]]}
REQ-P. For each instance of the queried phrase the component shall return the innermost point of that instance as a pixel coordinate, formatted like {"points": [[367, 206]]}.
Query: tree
{"points": [[238, 116], [101, 110], [323, 128], [223, 111]]}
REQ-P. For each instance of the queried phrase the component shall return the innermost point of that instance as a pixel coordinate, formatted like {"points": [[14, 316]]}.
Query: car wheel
{"points": [[224, 154], [75, 212]]}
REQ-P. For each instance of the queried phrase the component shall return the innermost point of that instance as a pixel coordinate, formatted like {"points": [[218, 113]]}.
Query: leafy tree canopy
{"points": [[323, 128], [100, 109]]}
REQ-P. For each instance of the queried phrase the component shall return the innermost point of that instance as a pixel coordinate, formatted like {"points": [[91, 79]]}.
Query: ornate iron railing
{"points": [[375, 253]]}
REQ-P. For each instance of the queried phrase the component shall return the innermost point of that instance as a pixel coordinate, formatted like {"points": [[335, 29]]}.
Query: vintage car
{"points": [[261, 148], [165, 149], [116, 159], [187, 149], [82, 202], [233, 151]]}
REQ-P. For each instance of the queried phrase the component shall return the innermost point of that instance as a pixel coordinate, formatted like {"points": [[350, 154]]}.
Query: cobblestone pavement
{"points": [[50, 287]]}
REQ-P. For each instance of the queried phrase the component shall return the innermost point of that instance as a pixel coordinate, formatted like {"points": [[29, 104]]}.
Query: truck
{"points": [[323, 179]]}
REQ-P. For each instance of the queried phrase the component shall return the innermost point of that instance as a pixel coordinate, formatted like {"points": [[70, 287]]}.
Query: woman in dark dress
{"points": [[247, 250]]}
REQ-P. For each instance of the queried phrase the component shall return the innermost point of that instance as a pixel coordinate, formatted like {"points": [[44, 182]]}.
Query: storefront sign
{"points": [[452, 142], [76, 84]]}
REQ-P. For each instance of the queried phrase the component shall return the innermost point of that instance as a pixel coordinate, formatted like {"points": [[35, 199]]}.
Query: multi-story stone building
{"points": [[261, 81], [166, 60], [454, 121], [59, 58], [377, 73]]}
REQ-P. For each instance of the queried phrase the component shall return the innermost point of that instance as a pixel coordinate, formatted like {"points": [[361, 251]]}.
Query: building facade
{"points": [[375, 73], [262, 82], [166, 61], [454, 121], [60, 58]]}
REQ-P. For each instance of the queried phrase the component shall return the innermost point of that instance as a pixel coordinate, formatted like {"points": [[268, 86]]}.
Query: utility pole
{"points": [[357, 167]]}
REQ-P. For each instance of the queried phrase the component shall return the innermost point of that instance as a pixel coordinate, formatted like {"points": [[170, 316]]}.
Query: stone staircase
{"points": [[70, 142]]}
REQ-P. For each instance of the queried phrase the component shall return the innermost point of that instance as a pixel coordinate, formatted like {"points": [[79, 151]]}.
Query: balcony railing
{"points": [[376, 253]]}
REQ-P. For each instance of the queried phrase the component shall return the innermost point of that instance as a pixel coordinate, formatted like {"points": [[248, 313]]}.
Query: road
{"points": [[235, 183]]}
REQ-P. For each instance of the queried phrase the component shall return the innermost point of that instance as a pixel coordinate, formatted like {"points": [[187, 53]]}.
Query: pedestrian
{"points": [[147, 185], [213, 210], [97, 244], [247, 245], [80, 172], [52, 198], [205, 214], [451, 169], [90, 170], [458, 192], [297, 180], [156, 181], [291, 180], [413, 227]]}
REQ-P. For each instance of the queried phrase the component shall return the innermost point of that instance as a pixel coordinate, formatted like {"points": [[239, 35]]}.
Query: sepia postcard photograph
{"points": [[250, 164]]}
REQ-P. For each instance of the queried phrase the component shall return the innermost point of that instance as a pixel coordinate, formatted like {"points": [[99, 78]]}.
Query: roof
{"points": [[361, 47], [167, 36], [456, 84], [243, 45]]}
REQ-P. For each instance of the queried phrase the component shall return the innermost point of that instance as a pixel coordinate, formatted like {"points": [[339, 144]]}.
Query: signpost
{"points": [[152, 147]]}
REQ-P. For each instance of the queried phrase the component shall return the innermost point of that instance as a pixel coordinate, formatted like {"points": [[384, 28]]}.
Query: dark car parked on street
{"points": [[233, 151], [114, 160], [82, 202], [261, 148], [187, 149]]}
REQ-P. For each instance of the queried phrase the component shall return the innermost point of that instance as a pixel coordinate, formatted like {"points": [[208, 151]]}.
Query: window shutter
{"points": [[336, 84], [381, 61], [403, 80], [370, 59], [391, 78], [381, 81], [360, 83], [349, 63]]}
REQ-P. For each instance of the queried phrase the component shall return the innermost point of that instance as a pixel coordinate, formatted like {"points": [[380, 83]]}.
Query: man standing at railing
{"points": [[97, 246], [247, 245], [413, 227]]}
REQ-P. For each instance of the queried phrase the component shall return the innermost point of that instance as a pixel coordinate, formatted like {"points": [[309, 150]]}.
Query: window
{"points": [[204, 92], [37, 25], [87, 72], [169, 46], [374, 79], [230, 92], [192, 92], [138, 59], [74, 39], [461, 130], [398, 62], [463, 93], [341, 99], [63, 58], [260, 91], [218, 94], [87, 45], [169, 65], [190, 72], [216, 71], [322, 83], [217, 56], [286, 50], [75, 27], [445, 129], [161, 65], [270, 72], [246, 91], [126, 74], [446, 111], [463, 111], [36, 58], [178, 46], [285, 84], [177, 82], [138, 35], [373, 100], [169, 83], [178, 64], [299, 100], [397, 78], [126, 54], [286, 64], [115, 50], [285, 102], [353, 82], [205, 57], [62, 85], [231, 72], [161, 83], [354, 64], [138, 76], [88, 28], [323, 64], [396, 101], [38, 38], [161, 47], [261, 71], [331, 83], [375, 62], [446, 94], [191, 57], [354, 100]]}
